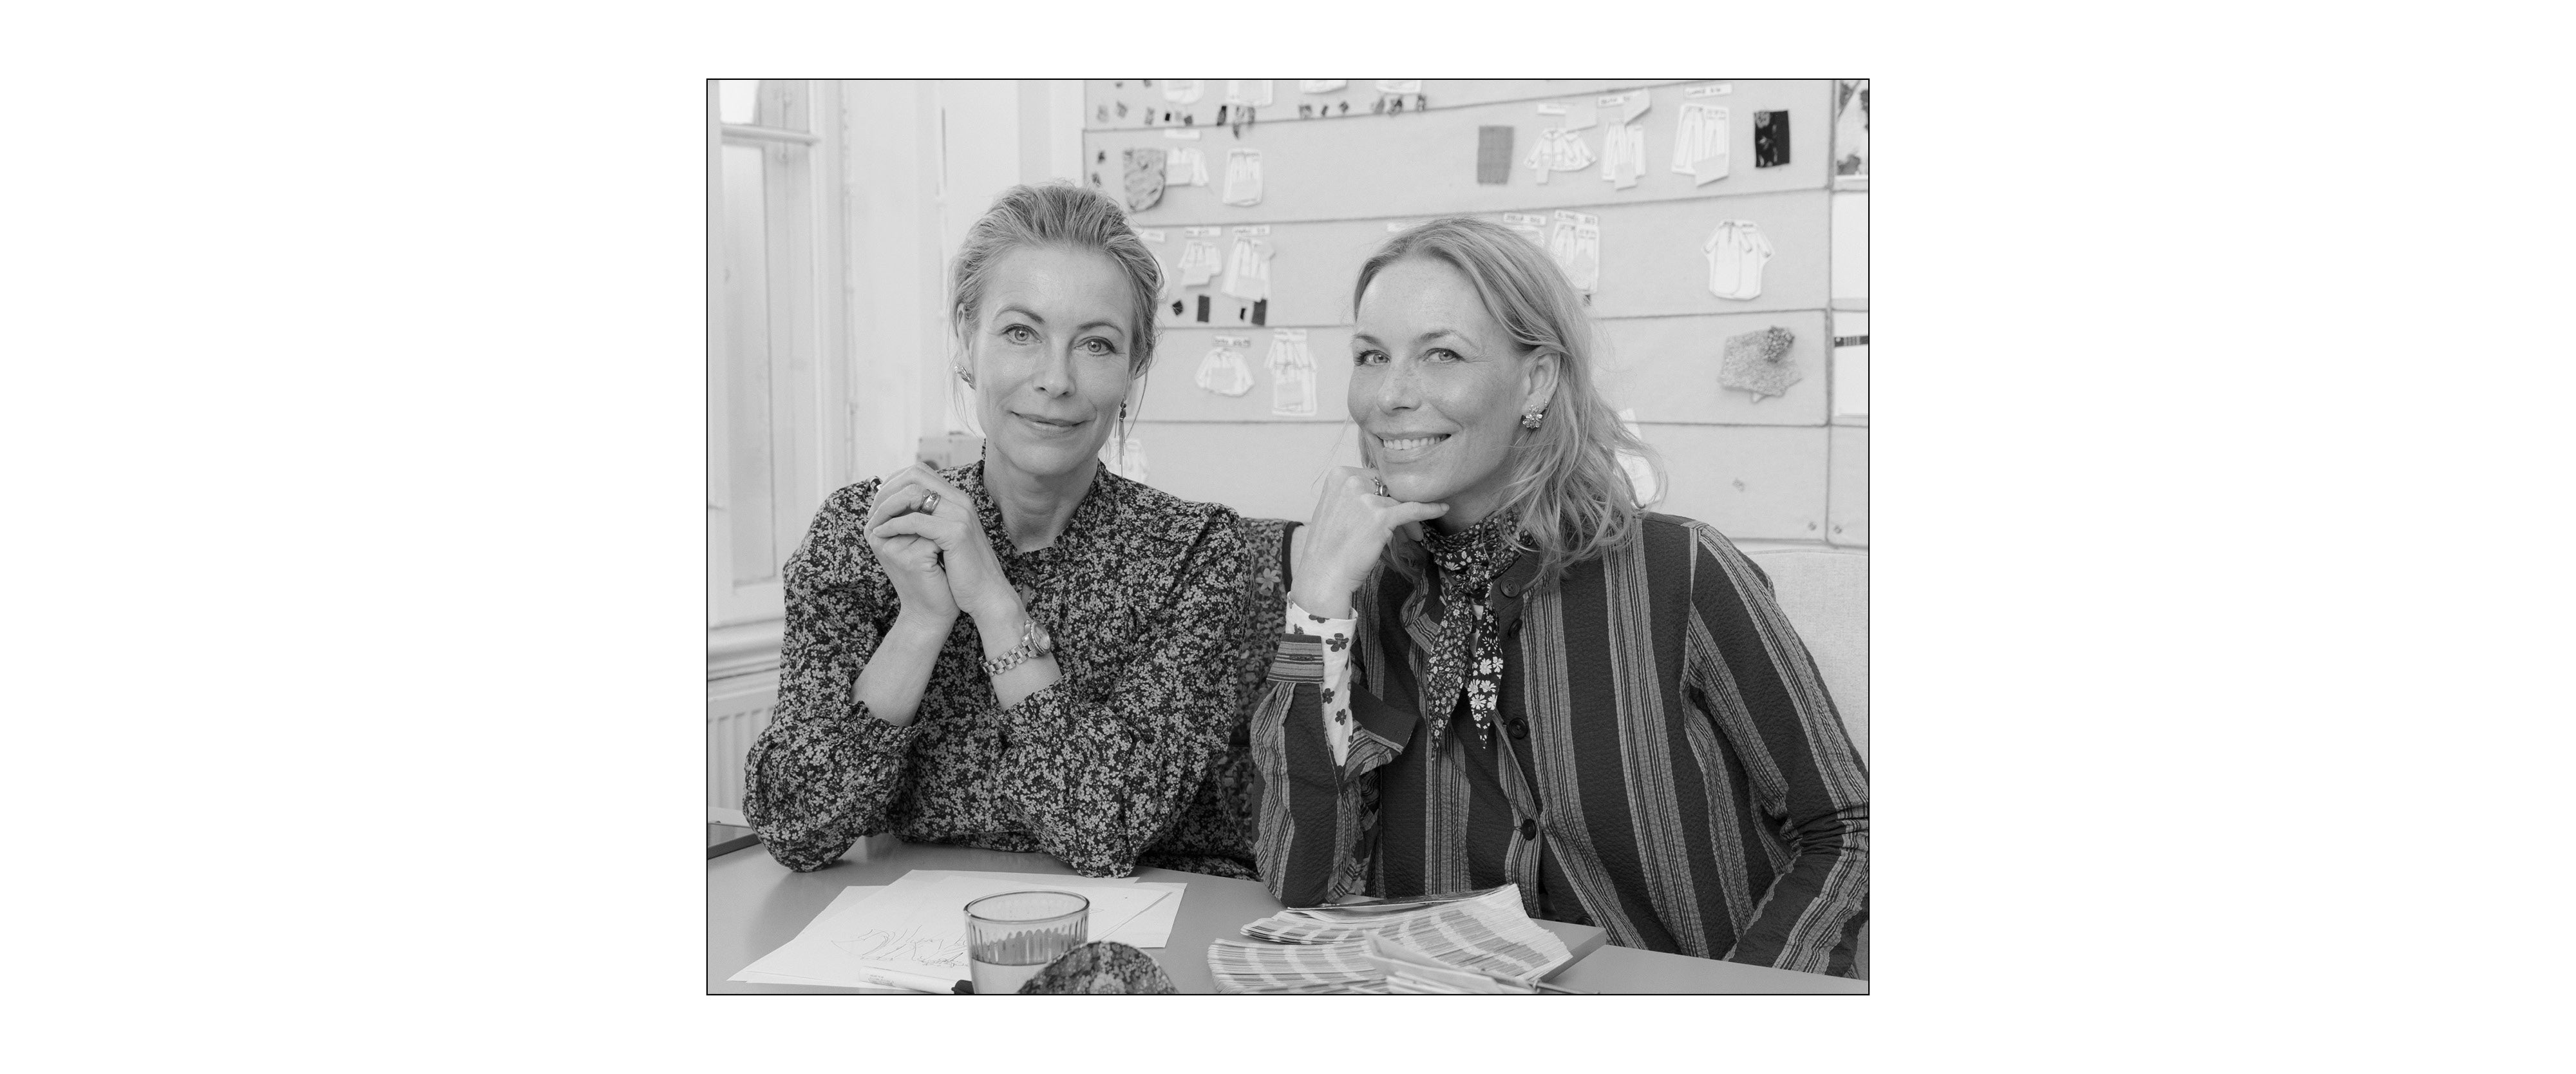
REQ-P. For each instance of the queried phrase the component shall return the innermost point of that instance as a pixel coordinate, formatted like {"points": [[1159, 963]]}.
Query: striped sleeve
{"points": [[1317, 829], [1746, 660]]}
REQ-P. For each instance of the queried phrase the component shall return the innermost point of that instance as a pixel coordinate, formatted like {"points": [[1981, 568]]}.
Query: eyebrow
{"points": [[1031, 314], [1425, 337]]}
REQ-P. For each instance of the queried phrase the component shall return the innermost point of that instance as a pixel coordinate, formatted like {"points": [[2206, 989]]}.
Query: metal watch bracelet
{"points": [[1033, 643]]}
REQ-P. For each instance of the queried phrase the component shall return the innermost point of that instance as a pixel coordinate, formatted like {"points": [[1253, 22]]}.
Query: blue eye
{"points": [[1369, 358], [1019, 333], [1100, 347], [1440, 354]]}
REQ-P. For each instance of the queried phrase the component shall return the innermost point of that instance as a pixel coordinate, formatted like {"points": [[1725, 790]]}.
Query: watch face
{"points": [[1039, 638]]}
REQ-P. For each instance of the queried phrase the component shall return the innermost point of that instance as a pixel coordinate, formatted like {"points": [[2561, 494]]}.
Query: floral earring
{"points": [[1530, 418]]}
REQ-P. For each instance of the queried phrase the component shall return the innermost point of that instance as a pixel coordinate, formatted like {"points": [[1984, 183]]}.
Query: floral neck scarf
{"points": [[1470, 655]]}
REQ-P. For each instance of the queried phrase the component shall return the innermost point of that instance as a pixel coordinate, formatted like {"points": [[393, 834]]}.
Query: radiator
{"points": [[733, 720]]}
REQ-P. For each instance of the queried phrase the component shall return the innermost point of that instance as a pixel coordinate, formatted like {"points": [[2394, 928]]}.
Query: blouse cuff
{"points": [[1329, 639], [874, 736]]}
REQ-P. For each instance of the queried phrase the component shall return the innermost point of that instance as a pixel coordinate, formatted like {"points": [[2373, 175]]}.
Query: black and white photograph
{"points": [[1286, 536], [560, 537]]}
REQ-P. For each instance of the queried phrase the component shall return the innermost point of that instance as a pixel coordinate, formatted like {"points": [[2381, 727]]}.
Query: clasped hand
{"points": [[1351, 525], [941, 562]]}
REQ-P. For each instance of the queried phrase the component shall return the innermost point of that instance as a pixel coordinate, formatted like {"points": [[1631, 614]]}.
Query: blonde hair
{"points": [[1567, 489], [1065, 216]]}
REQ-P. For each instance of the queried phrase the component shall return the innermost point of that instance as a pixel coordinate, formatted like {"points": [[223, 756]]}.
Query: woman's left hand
{"points": [[975, 578]]}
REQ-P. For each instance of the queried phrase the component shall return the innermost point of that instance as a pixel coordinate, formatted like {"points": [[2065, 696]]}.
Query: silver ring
{"points": [[930, 504], [1381, 486]]}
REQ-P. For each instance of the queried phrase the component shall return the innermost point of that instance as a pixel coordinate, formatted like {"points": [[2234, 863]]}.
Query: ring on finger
{"points": [[1381, 485], [930, 504]]}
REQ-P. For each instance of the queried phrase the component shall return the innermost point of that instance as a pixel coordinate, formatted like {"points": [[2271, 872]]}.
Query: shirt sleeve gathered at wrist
{"points": [[1333, 643]]}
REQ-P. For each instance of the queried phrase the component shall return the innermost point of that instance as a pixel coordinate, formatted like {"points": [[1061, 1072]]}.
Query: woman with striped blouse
{"points": [[1498, 669]]}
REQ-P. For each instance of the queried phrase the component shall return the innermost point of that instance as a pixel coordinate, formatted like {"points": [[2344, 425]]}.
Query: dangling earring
{"points": [[966, 375], [1529, 419]]}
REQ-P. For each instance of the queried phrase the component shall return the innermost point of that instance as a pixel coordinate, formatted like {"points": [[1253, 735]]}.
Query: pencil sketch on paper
{"points": [[907, 944]]}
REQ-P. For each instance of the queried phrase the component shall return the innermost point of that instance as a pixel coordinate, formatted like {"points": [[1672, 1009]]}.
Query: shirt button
{"points": [[1520, 727], [1529, 829]]}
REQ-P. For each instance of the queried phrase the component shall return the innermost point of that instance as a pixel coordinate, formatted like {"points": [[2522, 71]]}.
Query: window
{"points": [[776, 369]]}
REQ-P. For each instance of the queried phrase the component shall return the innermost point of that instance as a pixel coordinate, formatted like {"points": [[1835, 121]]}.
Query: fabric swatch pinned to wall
{"points": [[1144, 178], [1770, 139], [1737, 250], [1493, 155], [1242, 177], [1227, 369], [1758, 362]]}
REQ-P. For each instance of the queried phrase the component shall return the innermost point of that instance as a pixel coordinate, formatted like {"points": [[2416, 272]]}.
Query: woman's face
{"points": [[1438, 389], [1050, 350]]}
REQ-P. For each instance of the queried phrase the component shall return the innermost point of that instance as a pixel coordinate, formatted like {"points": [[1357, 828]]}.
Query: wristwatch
{"points": [[1034, 643]]}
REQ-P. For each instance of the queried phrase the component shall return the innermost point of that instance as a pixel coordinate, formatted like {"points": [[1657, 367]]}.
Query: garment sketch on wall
{"points": [[1558, 150], [1851, 128], [1737, 251], [1292, 374], [1701, 140], [1227, 369], [1242, 177], [1574, 241]]}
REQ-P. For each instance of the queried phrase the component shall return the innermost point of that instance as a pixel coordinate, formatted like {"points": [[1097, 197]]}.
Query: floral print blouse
{"points": [[1163, 612]]}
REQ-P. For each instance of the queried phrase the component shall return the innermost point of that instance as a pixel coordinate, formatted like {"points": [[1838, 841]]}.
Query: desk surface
{"points": [[755, 904]]}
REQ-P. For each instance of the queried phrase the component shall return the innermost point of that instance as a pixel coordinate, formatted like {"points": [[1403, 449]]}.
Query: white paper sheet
{"points": [[917, 925]]}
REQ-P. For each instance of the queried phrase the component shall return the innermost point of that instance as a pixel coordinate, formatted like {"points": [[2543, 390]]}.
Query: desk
{"points": [[755, 904]]}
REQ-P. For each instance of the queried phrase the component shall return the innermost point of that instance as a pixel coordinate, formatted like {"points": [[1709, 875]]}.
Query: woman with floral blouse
{"points": [[1028, 653]]}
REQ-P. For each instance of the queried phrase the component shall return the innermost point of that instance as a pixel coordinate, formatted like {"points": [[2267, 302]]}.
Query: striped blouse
{"points": [[1669, 766]]}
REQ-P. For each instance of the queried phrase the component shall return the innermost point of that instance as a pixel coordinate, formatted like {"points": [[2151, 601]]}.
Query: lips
{"points": [[1401, 448], [1056, 424]]}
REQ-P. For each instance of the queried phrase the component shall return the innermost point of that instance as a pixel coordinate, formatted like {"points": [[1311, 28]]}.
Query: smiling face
{"points": [[1050, 349], [1438, 388]]}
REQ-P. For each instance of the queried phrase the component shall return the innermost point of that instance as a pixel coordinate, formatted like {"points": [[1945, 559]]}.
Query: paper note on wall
{"points": [[1242, 177], [1183, 90], [1321, 85], [1251, 91], [1531, 226], [1701, 138]]}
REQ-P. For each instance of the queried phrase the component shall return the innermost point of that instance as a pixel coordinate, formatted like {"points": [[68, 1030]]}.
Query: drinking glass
{"points": [[1013, 935]]}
